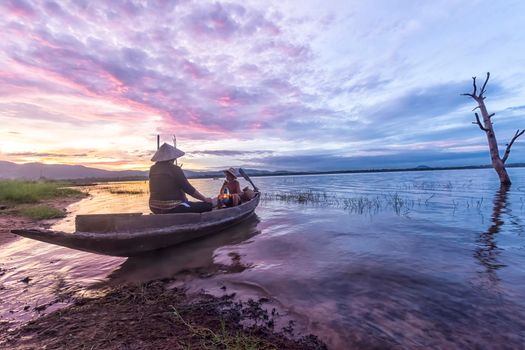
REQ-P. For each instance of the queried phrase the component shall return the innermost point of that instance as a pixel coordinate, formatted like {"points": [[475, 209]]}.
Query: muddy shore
{"points": [[156, 315], [9, 220]]}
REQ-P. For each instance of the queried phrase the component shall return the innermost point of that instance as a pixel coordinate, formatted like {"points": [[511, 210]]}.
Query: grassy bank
{"points": [[41, 212], [18, 192], [30, 198]]}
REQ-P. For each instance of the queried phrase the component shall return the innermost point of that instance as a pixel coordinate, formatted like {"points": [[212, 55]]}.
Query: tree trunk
{"points": [[497, 163]]}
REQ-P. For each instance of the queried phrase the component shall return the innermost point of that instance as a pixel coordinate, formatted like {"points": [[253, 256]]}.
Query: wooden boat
{"points": [[135, 233]]}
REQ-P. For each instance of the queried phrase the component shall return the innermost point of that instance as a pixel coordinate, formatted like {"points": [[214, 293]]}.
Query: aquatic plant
{"points": [[123, 188], [400, 203], [306, 197], [396, 202], [434, 186], [359, 205], [114, 191]]}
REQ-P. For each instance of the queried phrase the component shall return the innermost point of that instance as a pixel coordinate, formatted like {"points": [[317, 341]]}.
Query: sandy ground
{"points": [[10, 221]]}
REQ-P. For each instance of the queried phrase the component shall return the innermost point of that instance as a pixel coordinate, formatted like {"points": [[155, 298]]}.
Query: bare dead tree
{"points": [[497, 162]]}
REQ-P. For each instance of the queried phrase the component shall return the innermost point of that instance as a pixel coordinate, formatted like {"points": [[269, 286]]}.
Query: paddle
{"points": [[247, 178]]}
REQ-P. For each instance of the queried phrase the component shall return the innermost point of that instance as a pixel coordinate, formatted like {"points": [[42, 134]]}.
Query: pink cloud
{"points": [[194, 70], [224, 101], [156, 71], [19, 8], [212, 21]]}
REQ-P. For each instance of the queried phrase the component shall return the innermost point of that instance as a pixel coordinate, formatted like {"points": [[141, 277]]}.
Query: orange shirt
{"points": [[233, 187]]}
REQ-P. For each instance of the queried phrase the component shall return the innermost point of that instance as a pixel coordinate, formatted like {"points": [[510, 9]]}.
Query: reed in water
{"points": [[363, 204], [359, 204]]}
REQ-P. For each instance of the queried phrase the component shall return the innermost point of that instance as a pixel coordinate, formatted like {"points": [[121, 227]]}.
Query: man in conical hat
{"points": [[168, 185]]}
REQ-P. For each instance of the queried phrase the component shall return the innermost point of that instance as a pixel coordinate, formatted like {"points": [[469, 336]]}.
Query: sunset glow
{"points": [[310, 85]]}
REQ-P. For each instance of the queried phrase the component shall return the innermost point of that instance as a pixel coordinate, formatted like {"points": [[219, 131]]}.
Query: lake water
{"points": [[431, 259]]}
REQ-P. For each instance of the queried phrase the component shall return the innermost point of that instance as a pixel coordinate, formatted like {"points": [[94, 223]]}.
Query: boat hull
{"points": [[133, 234]]}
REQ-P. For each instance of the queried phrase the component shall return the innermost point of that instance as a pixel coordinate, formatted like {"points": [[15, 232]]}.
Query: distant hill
{"points": [[35, 171]]}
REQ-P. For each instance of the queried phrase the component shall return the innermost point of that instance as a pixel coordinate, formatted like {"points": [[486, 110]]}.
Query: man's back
{"points": [[168, 182]]}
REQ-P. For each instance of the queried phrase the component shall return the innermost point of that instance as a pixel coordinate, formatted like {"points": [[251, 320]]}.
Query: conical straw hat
{"points": [[166, 152], [231, 171]]}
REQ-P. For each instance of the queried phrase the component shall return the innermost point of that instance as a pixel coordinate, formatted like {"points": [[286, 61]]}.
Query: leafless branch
{"points": [[484, 85], [491, 115], [509, 145], [475, 108], [479, 123], [474, 90]]}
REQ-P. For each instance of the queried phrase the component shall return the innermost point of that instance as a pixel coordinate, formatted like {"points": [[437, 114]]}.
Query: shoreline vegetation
{"points": [[156, 315], [33, 199], [33, 204], [19, 191]]}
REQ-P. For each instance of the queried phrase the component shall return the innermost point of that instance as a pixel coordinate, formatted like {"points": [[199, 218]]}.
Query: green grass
{"points": [[42, 212], [18, 192], [223, 339]]}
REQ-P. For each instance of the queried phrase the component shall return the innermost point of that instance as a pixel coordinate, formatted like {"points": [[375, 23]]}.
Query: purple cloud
{"points": [[229, 153], [230, 71], [214, 21], [19, 8], [162, 76]]}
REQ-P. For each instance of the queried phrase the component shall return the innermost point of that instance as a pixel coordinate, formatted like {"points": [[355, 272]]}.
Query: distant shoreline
{"points": [[364, 171], [82, 181], [299, 173]]}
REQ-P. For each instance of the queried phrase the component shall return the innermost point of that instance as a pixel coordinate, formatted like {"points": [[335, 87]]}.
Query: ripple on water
{"points": [[446, 271]]}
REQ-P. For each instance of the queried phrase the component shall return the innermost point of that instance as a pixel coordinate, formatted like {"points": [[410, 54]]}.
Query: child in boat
{"points": [[230, 194]]}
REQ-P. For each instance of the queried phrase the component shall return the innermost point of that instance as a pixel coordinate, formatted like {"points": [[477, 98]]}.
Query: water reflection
{"points": [[383, 281], [194, 256], [487, 251]]}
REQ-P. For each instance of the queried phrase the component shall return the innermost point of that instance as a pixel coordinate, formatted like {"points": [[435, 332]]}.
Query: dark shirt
{"points": [[168, 182]]}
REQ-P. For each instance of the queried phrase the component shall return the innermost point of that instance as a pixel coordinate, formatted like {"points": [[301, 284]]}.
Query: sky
{"points": [[282, 85]]}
